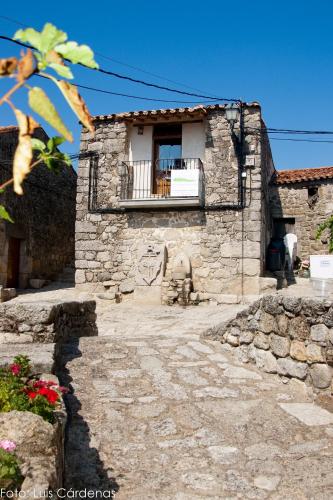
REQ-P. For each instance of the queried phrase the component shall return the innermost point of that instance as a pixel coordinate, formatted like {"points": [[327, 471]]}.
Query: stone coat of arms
{"points": [[151, 264]]}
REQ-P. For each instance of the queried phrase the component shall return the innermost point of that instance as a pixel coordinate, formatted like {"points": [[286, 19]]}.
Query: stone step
{"points": [[41, 355]]}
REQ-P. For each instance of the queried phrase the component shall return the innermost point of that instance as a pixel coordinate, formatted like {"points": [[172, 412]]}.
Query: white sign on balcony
{"points": [[185, 182]]}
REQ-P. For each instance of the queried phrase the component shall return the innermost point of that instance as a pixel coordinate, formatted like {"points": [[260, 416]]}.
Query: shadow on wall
{"points": [[281, 256], [165, 219], [83, 466]]}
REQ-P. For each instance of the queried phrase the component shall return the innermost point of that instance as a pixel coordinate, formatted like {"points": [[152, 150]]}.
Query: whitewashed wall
{"points": [[193, 140], [141, 148]]}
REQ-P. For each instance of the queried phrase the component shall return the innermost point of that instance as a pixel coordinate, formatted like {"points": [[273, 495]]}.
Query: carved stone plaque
{"points": [[151, 264]]}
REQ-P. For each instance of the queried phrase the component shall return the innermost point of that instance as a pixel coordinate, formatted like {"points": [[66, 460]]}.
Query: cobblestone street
{"points": [[158, 413]]}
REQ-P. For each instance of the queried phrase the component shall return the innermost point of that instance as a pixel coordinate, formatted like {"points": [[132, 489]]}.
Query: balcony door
{"points": [[167, 156]]}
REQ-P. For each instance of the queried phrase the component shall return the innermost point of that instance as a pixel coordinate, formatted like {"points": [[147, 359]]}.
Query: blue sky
{"points": [[277, 53]]}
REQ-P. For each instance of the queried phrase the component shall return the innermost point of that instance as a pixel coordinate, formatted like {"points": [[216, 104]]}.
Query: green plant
{"points": [[326, 225], [22, 392], [51, 50], [10, 475]]}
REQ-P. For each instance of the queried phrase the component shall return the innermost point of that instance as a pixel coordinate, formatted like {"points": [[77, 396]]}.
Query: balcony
{"points": [[164, 183]]}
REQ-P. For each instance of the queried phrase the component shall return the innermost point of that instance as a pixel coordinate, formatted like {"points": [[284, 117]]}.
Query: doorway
{"points": [[166, 155], [13, 262]]}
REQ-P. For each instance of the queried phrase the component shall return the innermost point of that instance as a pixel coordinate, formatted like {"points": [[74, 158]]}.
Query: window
{"points": [[167, 155], [312, 195]]}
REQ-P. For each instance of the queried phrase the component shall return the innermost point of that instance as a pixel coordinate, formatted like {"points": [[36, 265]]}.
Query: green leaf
{"points": [[4, 214], [62, 70], [50, 37], [54, 142], [37, 144], [66, 160], [75, 53], [41, 104], [30, 36]]}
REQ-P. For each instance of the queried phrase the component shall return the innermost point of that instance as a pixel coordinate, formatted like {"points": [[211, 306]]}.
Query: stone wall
{"points": [[46, 322], [39, 448], [107, 244], [292, 200], [286, 335], [44, 218]]}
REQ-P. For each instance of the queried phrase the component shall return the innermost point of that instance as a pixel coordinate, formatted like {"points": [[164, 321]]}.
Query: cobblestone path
{"points": [[165, 415]]}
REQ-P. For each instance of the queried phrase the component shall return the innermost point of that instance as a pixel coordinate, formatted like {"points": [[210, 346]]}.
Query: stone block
{"points": [[246, 337], [265, 361], [261, 341], [279, 345], [251, 267], [291, 368], [292, 304], [126, 287], [319, 333], [267, 323], [321, 375], [36, 283], [283, 324], [314, 353], [298, 350], [298, 328]]}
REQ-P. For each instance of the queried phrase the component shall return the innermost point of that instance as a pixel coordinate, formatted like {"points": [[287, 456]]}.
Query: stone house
{"points": [[300, 200], [173, 204], [41, 241]]}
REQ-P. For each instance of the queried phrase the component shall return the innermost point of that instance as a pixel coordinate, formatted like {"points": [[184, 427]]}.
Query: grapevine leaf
{"points": [[8, 66], [30, 36], [4, 214], [41, 104], [26, 66], [62, 70], [54, 142], [37, 144], [78, 54], [76, 102], [23, 153], [50, 37]]}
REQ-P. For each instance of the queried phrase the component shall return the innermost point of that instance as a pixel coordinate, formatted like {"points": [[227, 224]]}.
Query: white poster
{"points": [[321, 266], [185, 182]]}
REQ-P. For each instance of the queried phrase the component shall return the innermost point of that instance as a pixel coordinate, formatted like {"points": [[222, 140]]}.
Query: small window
{"points": [[312, 195]]}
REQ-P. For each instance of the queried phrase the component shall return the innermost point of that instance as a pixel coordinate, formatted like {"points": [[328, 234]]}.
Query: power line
{"points": [[298, 140], [135, 80], [112, 59], [103, 91]]}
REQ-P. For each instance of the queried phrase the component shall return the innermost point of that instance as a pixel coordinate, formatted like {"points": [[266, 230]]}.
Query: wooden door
{"points": [[13, 266]]}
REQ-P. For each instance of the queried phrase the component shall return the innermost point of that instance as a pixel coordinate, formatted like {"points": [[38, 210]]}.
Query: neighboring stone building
{"points": [[299, 201], [41, 241], [174, 200]]}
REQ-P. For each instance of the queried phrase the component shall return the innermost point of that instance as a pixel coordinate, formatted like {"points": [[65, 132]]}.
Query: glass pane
{"points": [[169, 151]]}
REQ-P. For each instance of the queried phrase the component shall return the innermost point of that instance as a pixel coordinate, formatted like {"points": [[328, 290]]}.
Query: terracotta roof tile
{"points": [[8, 128], [303, 175], [200, 109]]}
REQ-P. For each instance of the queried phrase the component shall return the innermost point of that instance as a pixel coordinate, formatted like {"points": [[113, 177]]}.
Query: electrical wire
{"points": [[135, 80], [121, 63], [298, 140], [103, 91]]}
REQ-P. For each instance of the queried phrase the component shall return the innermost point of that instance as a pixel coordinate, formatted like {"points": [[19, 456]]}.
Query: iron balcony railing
{"points": [[172, 178]]}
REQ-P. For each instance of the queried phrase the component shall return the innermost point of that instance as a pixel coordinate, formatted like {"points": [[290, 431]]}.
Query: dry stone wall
{"points": [[107, 244], [292, 200], [290, 336], [46, 322]]}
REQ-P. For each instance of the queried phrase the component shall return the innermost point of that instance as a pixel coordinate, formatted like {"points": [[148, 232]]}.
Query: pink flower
{"points": [[15, 369], [7, 445]]}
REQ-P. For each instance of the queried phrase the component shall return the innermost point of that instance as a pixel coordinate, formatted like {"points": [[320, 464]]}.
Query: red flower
{"points": [[15, 368], [31, 394], [51, 395]]}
